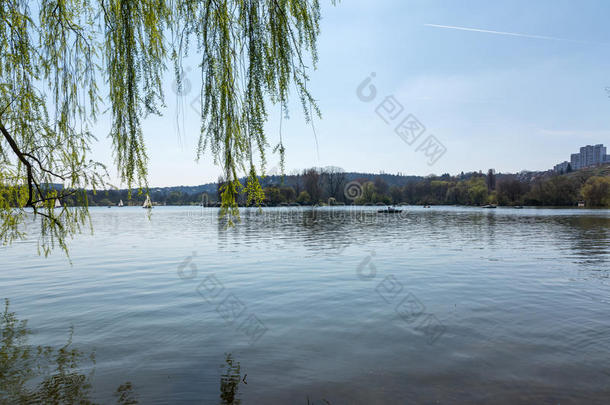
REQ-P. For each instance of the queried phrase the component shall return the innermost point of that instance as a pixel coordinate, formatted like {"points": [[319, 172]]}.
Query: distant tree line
{"points": [[326, 186]]}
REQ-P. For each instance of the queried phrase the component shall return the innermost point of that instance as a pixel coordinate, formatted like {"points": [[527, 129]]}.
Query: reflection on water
{"points": [[332, 230], [523, 295], [231, 378], [60, 375], [589, 238], [125, 394], [229, 382], [43, 374]]}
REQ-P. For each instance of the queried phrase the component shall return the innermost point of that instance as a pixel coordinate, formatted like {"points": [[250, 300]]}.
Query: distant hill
{"points": [[391, 180], [603, 170], [289, 180], [464, 188], [203, 188]]}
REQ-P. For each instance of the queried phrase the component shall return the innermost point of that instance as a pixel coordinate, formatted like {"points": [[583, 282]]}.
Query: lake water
{"points": [[440, 305]]}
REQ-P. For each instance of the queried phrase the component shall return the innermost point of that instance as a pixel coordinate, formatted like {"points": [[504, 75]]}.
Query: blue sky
{"points": [[493, 100]]}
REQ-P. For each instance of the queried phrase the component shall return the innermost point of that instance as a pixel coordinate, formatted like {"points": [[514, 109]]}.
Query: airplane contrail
{"points": [[512, 34]]}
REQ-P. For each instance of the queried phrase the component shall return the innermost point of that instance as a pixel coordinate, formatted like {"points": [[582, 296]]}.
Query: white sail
{"points": [[147, 203], [57, 203], [120, 203]]}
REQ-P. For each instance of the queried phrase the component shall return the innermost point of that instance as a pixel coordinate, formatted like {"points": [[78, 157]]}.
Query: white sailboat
{"points": [[57, 203], [147, 203], [120, 203]]}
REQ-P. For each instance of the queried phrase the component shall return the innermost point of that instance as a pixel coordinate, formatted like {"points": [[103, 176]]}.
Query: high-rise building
{"points": [[592, 155], [562, 167], [575, 161], [589, 155]]}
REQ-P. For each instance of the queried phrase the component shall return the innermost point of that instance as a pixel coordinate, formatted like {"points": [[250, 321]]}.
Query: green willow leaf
{"points": [[62, 60]]}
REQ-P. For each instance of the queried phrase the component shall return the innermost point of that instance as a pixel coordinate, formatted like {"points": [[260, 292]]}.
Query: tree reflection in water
{"points": [[231, 378], [46, 375], [43, 374], [229, 382]]}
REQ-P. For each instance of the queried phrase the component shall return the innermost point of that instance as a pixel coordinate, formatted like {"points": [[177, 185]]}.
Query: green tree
{"points": [[596, 191], [381, 187], [492, 198], [511, 191], [457, 193], [556, 191], [438, 191], [273, 196], [175, 198], [311, 180], [288, 194], [368, 193], [304, 198], [490, 180], [104, 202], [61, 59], [396, 194], [477, 191]]}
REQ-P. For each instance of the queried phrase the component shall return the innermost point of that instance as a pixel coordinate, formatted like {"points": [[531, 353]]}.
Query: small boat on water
{"points": [[389, 210], [120, 203], [426, 206], [57, 203], [489, 206], [147, 203], [518, 207]]}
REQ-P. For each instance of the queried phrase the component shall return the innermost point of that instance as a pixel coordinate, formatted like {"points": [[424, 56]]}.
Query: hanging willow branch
{"points": [[251, 52], [63, 59]]}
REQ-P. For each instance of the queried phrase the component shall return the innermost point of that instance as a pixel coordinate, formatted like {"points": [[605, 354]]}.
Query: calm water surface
{"points": [[441, 305]]}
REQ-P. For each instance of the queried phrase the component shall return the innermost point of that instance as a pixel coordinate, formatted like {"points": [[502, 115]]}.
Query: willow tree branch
{"points": [[42, 167], [23, 160]]}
